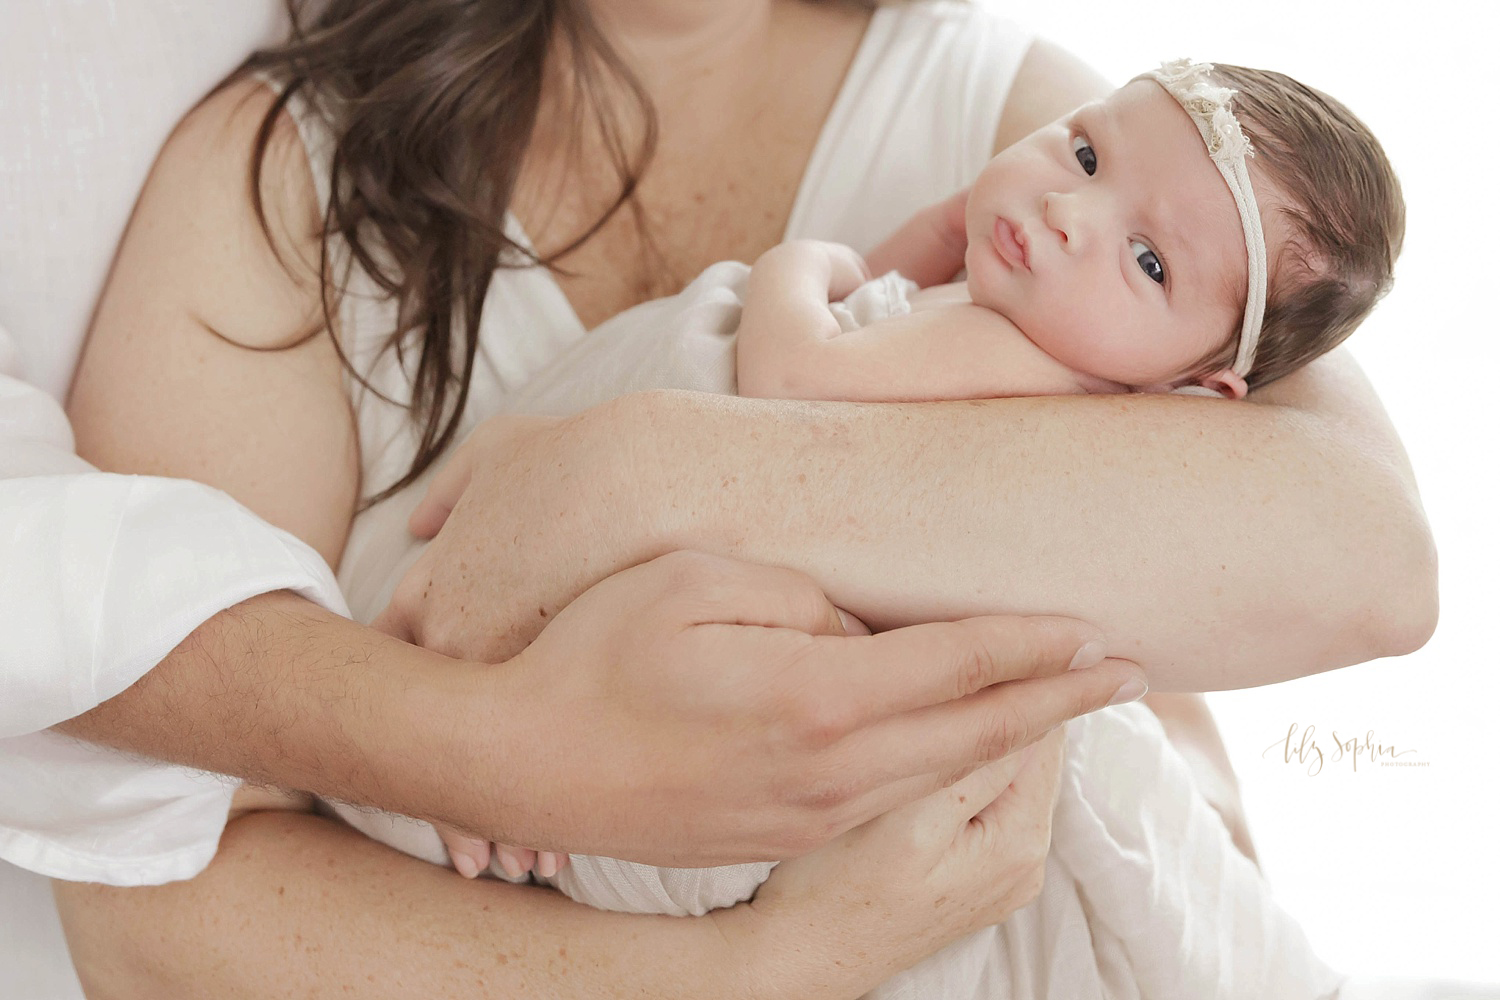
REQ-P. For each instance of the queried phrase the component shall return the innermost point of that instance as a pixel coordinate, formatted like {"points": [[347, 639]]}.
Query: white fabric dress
{"points": [[1145, 896]]}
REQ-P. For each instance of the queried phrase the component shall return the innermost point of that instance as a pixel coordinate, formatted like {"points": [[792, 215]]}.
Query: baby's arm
{"points": [[929, 248], [786, 308], [790, 347]]}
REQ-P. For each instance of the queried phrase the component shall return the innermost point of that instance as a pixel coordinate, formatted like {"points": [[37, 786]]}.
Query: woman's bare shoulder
{"points": [[255, 284], [1050, 83], [173, 380]]}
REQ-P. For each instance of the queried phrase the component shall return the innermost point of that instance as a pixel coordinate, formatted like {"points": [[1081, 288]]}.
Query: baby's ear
{"points": [[1225, 383]]}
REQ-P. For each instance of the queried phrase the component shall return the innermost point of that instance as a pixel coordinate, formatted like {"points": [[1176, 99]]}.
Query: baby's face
{"points": [[1111, 240]]}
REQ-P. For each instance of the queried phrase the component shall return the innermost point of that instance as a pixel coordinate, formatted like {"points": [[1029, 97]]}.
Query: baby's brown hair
{"points": [[1347, 216]]}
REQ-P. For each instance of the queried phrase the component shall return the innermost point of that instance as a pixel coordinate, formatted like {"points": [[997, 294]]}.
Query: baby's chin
{"points": [[978, 294]]}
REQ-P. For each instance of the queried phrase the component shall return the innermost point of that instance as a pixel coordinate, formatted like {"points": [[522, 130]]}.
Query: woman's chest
{"points": [[685, 217], [732, 146]]}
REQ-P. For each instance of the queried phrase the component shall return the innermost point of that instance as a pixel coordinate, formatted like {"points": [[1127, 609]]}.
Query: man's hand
{"points": [[696, 710]]}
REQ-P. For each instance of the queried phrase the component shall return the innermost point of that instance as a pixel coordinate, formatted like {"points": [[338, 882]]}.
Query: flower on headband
{"points": [[1208, 104]]}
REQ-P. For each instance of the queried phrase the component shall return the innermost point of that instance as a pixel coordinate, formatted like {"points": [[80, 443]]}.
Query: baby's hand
{"points": [[470, 856], [808, 267], [847, 271]]}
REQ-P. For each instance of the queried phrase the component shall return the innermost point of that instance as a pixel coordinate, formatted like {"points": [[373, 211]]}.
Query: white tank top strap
{"points": [[914, 122]]}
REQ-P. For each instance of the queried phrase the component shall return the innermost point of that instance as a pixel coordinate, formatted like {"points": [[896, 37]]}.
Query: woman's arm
{"points": [[1217, 544], [297, 905]]}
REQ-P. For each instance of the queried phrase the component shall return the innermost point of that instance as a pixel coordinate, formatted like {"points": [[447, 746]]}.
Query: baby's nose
{"points": [[1060, 211]]}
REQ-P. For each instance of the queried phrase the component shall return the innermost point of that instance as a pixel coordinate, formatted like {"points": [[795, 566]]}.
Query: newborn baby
{"points": [[1108, 253], [1137, 245]]}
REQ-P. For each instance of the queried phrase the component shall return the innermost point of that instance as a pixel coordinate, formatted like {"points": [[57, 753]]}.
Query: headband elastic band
{"points": [[1208, 105]]}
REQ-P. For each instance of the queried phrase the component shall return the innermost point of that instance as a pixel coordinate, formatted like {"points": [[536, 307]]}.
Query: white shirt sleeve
{"points": [[100, 577]]}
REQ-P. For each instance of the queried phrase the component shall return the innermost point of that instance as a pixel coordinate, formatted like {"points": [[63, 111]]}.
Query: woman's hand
{"points": [[906, 884], [523, 540]]}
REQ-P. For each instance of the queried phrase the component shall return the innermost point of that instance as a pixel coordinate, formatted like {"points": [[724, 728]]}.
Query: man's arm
{"points": [[279, 691]]}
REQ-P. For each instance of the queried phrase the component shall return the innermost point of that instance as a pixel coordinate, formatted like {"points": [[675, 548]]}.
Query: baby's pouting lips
{"points": [[1010, 244]]}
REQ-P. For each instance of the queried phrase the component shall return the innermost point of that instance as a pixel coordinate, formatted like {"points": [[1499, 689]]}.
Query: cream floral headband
{"points": [[1208, 105]]}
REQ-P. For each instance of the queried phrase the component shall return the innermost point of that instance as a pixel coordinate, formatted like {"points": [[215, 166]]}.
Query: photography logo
{"points": [[1302, 745]]}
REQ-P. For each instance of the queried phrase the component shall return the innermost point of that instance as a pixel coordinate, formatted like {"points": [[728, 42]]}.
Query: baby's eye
{"points": [[1150, 263], [1085, 154]]}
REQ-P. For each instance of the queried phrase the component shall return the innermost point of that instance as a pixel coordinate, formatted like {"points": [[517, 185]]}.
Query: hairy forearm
{"points": [[1219, 545], [281, 692], [296, 905]]}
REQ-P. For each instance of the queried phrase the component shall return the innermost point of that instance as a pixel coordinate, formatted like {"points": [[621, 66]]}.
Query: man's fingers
{"points": [[925, 665], [442, 496]]}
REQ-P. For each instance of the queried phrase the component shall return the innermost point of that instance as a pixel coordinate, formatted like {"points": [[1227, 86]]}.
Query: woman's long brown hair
{"points": [[433, 103]]}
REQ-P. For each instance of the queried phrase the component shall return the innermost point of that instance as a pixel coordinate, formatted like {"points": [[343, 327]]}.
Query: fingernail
{"points": [[546, 865], [1091, 654], [843, 620], [465, 865], [1132, 690], [510, 865]]}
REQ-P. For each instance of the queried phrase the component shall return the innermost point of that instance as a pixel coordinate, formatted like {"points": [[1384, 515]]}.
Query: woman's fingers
{"points": [[915, 754], [1028, 799], [976, 791], [729, 592]]}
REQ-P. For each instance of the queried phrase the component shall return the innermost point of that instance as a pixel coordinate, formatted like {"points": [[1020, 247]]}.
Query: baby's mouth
{"points": [[1010, 244]]}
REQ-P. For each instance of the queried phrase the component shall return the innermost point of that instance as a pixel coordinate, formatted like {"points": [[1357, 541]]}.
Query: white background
{"points": [[1391, 870]]}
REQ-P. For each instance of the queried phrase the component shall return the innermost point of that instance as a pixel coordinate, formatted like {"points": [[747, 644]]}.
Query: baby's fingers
{"points": [[470, 855], [549, 863], [515, 861]]}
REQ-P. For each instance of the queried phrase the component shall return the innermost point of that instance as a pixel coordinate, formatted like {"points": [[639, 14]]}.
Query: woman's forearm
{"points": [[297, 905], [1218, 545]]}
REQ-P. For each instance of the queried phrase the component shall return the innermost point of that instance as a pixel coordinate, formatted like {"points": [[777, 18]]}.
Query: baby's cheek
{"points": [[1073, 331]]}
